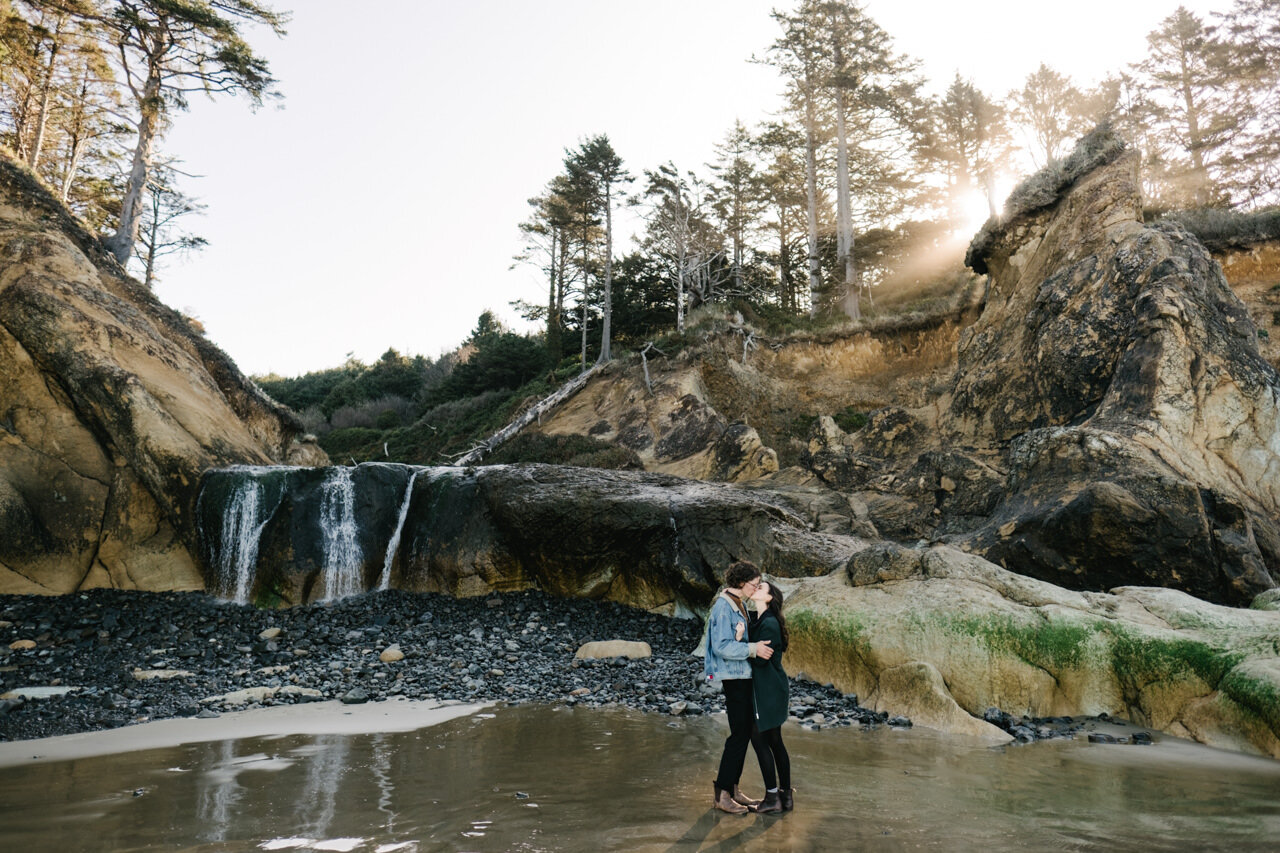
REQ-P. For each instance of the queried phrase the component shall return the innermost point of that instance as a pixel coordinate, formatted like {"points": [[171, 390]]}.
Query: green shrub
{"points": [[340, 442], [850, 420]]}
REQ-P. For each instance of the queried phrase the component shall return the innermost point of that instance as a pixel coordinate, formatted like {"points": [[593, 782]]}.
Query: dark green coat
{"points": [[768, 678]]}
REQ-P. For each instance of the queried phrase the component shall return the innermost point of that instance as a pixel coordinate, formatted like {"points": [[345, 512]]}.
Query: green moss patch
{"points": [[845, 630]]}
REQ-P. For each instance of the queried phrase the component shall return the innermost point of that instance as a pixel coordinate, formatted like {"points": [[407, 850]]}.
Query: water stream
{"points": [[536, 778], [393, 546], [342, 555], [237, 554]]}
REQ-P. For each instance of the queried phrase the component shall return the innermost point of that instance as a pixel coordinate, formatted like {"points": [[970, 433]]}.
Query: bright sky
{"points": [[379, 207]]}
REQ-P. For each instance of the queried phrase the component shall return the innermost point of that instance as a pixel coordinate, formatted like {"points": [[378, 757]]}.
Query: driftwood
{"points": [[534, 413]]}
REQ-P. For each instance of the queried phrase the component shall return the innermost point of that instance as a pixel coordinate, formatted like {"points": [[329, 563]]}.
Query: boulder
{"points": [[603, 649], [949, 627]]}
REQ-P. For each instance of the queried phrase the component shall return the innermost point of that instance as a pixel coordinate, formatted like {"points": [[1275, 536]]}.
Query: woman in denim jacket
{"points": [[727, 662]]}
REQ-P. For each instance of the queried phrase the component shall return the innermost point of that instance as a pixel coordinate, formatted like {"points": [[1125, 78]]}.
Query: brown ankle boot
{"points": [[725, 803], [743, 800], [771, 804], [786, 798]]}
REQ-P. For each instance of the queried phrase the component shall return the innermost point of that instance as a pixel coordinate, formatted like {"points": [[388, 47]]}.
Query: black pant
{"points": [[741, 710], [776, 753]]}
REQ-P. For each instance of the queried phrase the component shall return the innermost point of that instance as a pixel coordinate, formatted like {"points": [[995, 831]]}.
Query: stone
{"points": [[37, 692], [604, 649], [160, 674], [22, 645], [391, 654], [269, 633], [580, 691], [675, 709], [356, 696], [243, 697]]}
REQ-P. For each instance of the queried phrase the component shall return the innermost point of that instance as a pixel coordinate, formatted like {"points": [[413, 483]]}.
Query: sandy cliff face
{"points": [[110, 410]]}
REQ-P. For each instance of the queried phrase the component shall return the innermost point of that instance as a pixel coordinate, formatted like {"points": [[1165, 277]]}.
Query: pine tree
{"points": [[1200, 114], [166, 50], [1053, 111], [596, 168]]}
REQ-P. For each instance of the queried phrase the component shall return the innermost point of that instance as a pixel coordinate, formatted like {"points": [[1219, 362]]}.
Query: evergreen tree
{"points": [[1198, 113], [1053, 112], [166, 50], [736, 196], [783, 201], [678, 234], [971, 139], [1251, 39], [597, 169], [799, 54]]}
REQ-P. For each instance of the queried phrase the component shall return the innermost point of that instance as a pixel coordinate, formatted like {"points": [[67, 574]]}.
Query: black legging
{"points": [[775, 752], [739, 707]]}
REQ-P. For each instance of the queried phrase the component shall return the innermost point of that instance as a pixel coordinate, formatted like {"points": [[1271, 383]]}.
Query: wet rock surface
{"points": [[512, 647]]}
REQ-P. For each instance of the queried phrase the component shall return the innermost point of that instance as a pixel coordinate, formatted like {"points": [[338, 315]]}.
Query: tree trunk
{"points": [[121, 243], [553, 320], [785, 296], [844, 205], [42, 119], [1200, 175], [682, 263], [605, 354], [811, 180], [585, 282]]}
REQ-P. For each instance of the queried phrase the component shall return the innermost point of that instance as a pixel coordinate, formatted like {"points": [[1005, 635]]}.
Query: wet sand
{"points": [[318, 718]]}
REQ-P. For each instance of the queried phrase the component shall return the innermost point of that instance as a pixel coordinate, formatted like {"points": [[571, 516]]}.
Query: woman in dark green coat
{"points": [[772, 697]]}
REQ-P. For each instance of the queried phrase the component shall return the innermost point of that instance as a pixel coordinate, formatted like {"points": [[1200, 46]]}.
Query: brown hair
{"points": [[739, 573]]}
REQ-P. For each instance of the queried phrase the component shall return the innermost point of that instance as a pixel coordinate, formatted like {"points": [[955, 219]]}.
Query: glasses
{"points": [[754, 585]]}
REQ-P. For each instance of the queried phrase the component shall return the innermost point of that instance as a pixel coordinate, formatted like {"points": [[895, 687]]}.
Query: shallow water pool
{"points": [[535, 778]]}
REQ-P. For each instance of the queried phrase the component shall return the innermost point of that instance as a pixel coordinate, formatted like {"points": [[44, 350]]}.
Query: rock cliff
{"points": [[111, 408], [1110, 419]]}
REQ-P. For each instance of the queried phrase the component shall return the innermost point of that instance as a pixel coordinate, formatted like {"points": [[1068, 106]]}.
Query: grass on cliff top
{"points": [[1223, 230]]}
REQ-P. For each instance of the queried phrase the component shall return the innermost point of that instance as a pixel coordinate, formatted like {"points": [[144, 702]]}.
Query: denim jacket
{"points": [[726, 656]]}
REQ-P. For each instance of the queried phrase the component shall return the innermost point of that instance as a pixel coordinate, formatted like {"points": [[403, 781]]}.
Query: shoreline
{"points": [[395, 714]]}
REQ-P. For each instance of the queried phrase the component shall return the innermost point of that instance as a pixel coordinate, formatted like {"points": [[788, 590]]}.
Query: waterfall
{"points": [[394, 545], [342, 556], [238, 545]]}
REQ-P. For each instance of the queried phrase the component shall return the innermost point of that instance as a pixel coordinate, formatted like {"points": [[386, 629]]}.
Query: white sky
{"points": [[379, 207]]}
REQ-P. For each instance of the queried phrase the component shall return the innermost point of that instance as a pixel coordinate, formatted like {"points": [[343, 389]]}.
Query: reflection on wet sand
{"points": [[543, 778]]}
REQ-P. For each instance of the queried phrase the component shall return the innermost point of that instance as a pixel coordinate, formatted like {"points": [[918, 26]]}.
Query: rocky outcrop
{"points": [[1143, 426], [649, 540], [1110, 420], [111, 408], [944, 635]]}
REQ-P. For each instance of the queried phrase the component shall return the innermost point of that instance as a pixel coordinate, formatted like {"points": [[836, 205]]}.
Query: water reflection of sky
{"points": [[541, 778]]}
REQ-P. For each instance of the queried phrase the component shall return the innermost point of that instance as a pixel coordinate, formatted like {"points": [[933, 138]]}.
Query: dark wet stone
{"points": [[1101, 737]]}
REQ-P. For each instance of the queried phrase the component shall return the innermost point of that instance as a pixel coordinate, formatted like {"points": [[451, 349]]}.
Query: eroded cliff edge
{"points": [[111, 408]]}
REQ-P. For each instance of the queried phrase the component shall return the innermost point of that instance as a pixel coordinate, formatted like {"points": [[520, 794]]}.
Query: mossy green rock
{"points": [[1158, 657]]}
